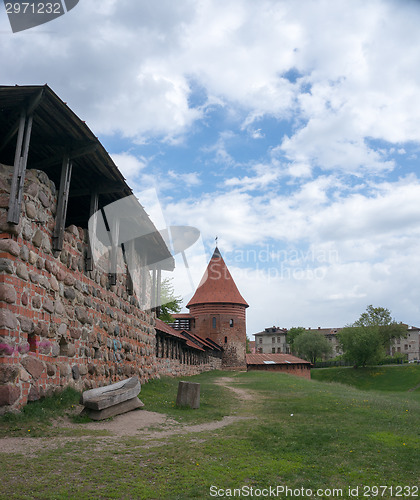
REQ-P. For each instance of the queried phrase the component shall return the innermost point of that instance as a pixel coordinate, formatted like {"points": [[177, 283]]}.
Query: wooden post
{"points": [[94, 204], [63, 198], [131, 263], [188, 394], [19, 170], [115, 231]]}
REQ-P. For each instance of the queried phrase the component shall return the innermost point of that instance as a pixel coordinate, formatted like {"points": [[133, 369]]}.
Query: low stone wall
{"points": [[59, 324], [174, 368]]}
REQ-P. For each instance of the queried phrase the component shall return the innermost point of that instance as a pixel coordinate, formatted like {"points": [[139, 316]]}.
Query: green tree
{"points": [[169, 302], [368, 338], [292, 334], [311, 345]]}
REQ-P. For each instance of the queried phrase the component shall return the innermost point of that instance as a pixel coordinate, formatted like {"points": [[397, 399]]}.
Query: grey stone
{"points": [[65, 370], [36, 302], [22, 271], [81, 315], [55, 349], [26, 324], [27, 231], [51, 369], [33, 365], [75, 372], [62, 329], [6, 266], [24, 253], [48, 305], [8, 319], [83, 369], [71, 350], [8, 373], [9, 394], [32, 257], [54, 283], [9, 246], [38, 237], [59, 308], [32, 189], [7, 293], [31, 211], [43, 198]]}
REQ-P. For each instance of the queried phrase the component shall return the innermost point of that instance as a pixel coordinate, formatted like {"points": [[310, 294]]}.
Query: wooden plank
{"points": [[63, 198], [19, 170]]}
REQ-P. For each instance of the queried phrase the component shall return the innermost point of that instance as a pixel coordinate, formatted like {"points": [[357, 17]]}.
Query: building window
{"points": [[279, 350], [260, 350], [278, 340], [214, 322], [225, 340], [273, 350], [260, 340], [231, 323], [273, 339]]}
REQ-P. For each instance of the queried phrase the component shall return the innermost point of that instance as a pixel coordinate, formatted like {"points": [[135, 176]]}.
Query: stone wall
{"points": [[59, 324]]}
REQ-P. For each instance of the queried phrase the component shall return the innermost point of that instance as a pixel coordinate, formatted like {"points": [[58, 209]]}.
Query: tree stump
{"points": [[188, 394]]}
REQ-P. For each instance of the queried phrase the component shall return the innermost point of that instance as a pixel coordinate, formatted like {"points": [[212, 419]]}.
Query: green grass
{"points": [[302, 434], [379, 378]]}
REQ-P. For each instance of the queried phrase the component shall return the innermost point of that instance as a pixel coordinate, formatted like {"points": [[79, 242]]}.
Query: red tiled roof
{"points": [[181, 316], [278, 359], [217, 285], [163, 327]]}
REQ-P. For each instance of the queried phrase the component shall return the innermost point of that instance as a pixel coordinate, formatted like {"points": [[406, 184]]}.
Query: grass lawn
{"points": [[379, 378], [299, 434]]}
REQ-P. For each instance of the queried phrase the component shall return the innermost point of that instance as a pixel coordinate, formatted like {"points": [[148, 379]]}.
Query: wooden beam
{"points": [[158, 291], [19, 169], [63, 198], [30, 108], [74, 152], [101, 188], [94, 205]]}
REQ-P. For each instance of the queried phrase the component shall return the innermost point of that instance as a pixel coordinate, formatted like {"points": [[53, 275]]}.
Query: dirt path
{"points": [[144, 424]]}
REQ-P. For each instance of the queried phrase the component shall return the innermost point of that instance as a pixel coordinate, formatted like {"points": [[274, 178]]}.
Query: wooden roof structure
{"points": [[39, 131]]}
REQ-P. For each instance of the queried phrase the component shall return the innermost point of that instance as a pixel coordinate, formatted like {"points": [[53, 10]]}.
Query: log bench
{"points": [[111, 400]]}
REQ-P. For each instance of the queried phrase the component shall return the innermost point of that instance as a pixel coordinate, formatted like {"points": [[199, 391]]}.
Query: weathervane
{"points": [[216, 239]]}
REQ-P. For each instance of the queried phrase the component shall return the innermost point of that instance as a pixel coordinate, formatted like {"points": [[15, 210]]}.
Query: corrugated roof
{"points": [[278, 359], [217, 285]]}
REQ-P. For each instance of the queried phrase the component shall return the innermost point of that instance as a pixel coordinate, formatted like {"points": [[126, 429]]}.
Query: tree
{"points": [[292, 334], [311, 345], [169, 302], [368, 338]]}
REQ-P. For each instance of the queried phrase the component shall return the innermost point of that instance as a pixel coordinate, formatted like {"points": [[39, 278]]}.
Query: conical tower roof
{"points": [[217, 285]]}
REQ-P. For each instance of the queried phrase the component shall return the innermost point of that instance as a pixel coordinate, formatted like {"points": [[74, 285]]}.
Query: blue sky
{"points": [[291, 130]]}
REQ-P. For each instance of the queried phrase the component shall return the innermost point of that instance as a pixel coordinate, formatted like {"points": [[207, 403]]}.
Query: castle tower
{"points": [[219, 311]]}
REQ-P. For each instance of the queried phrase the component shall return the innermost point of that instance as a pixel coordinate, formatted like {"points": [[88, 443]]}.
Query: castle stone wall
{"points": [[59, 324]]}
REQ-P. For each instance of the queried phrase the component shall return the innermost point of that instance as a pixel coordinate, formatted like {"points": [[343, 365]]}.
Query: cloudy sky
{"points": [[290, 130]]}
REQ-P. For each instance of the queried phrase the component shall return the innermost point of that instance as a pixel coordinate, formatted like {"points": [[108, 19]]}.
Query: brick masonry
{"points": [[59, 324]]}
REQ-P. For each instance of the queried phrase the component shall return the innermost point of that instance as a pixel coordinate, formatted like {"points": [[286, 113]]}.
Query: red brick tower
{"points": [[219, 312]]}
